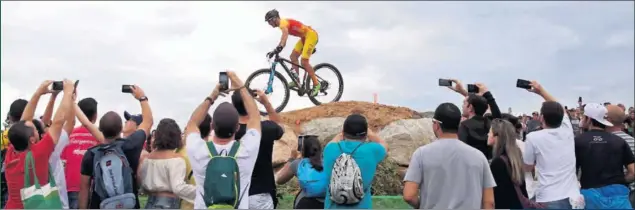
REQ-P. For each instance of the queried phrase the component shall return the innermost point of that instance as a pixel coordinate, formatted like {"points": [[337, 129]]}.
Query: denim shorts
{"points": [[159, 202]]}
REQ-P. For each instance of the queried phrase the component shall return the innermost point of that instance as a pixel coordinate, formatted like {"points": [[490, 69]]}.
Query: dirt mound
{"points": [[378, 115]]}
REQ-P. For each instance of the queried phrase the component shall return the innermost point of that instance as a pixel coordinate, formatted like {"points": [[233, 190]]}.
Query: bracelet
{"points": [[143, 98]]}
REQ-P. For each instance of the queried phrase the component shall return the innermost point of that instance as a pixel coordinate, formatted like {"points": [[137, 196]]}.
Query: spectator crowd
{"points": [[558, 158]]}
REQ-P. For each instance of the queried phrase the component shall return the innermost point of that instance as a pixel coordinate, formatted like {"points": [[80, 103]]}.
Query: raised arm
{"points": [[493, 107], [146, 111], [29, 110], [201, 110], [458, 87], [92, 128], [271, 112], [250, 103], [60, 115], [538, 89], [48, 112], [70, 116]]}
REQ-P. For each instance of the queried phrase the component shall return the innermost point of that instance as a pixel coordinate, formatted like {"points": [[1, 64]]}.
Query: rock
{"points": [[378, 115], [324, 128], [282, 148], [405, 136]]}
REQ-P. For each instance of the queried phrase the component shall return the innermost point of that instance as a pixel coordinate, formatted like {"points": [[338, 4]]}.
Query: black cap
{"points": [[225, 120], [449, 115], [355, 126], [136, 118]]}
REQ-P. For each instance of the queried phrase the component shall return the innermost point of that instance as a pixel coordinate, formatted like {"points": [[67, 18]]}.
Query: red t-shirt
{"points": [[79, 141], [14, 171]]}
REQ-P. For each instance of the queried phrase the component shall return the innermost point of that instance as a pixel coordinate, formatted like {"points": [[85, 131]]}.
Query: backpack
{"points": [[346, 186], [113, 177], [312, 182], [221, 187]]}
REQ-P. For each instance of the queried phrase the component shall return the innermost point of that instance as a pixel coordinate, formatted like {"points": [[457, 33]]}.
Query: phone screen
{"points": [[580, 99], [445, 82], [223, 81]]}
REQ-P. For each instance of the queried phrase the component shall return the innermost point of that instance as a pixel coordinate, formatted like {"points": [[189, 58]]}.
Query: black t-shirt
{"points": [[132, 150], [601, 156], [262, 178]]}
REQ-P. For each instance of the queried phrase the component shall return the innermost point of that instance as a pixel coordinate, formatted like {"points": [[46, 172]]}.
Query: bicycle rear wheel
{"points": [[321, 70], [275, 88]]}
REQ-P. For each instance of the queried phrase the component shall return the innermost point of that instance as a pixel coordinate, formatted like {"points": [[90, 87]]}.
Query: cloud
{"points": [[395, 49]]}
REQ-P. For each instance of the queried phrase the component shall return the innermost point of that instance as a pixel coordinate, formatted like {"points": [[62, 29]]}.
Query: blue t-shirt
{"points": [[367, 157]]}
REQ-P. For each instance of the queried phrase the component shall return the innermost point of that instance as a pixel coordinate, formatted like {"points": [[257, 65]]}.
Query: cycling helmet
{"points": [[271, 14]]}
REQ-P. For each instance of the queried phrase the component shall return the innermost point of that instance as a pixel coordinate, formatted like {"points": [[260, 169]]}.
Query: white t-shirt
{"points": [[58, 168], [552, 151], [246, 158], [530, 184]]}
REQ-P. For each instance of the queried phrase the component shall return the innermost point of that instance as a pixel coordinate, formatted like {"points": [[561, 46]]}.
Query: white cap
{"points": [[597, 112]]}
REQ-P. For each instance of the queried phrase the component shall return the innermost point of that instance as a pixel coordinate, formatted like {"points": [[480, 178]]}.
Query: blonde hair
{"points": [[506, 144]]}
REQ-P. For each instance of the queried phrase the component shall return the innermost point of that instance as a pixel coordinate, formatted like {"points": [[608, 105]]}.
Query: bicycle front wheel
{"points": [[331, 81], [278, 93]]}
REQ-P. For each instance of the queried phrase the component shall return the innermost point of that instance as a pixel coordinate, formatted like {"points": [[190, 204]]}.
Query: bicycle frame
{"points": [[301, 84]]}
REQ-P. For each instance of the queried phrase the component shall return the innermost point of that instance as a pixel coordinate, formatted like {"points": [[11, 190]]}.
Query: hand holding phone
{"points": [[524, 84], [223, 80], [472, 88], [445, 82], [126, 88]]}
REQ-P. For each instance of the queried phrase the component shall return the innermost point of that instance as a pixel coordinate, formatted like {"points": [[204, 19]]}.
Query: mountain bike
{"points": [[302, 87]]}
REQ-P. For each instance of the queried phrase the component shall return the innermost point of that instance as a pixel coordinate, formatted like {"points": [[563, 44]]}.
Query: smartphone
{"points": [[76, 83], [445, 82], [223, 80], [300, 140], [580, 99], [57, 86], [472, 88], [524, 84], [126, 88]]}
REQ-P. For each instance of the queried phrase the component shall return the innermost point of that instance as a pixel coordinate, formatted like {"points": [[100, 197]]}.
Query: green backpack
{"points": [[222, 179]]}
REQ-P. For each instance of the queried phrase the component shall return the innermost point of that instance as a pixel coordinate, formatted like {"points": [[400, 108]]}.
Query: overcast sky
{"points": [[174, 50]]}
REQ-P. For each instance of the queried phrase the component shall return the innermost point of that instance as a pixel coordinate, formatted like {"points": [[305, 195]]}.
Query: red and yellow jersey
{"points": [[295, 28]]}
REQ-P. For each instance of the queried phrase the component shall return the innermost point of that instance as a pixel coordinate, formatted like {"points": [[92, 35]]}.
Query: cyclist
{"points": [[304, 47]]}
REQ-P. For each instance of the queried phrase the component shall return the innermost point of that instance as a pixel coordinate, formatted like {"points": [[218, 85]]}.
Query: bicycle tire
{"points": [[276, 75], [339, 77]]}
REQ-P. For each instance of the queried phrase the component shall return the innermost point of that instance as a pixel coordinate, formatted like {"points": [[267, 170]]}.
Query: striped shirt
{"points": [[631, 143], [629, 139]]}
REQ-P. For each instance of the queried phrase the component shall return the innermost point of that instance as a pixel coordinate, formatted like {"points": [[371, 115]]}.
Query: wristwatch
{"points": [[143, 98], [211, 101]]}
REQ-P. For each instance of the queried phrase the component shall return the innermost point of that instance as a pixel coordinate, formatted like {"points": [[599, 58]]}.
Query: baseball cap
{"points": [[225, 120], [449, 115], [136, 118], [598, 112], [355, 126]]}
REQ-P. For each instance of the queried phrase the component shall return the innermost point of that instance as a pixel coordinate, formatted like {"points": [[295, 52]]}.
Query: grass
{"points": [[379, 202]]}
